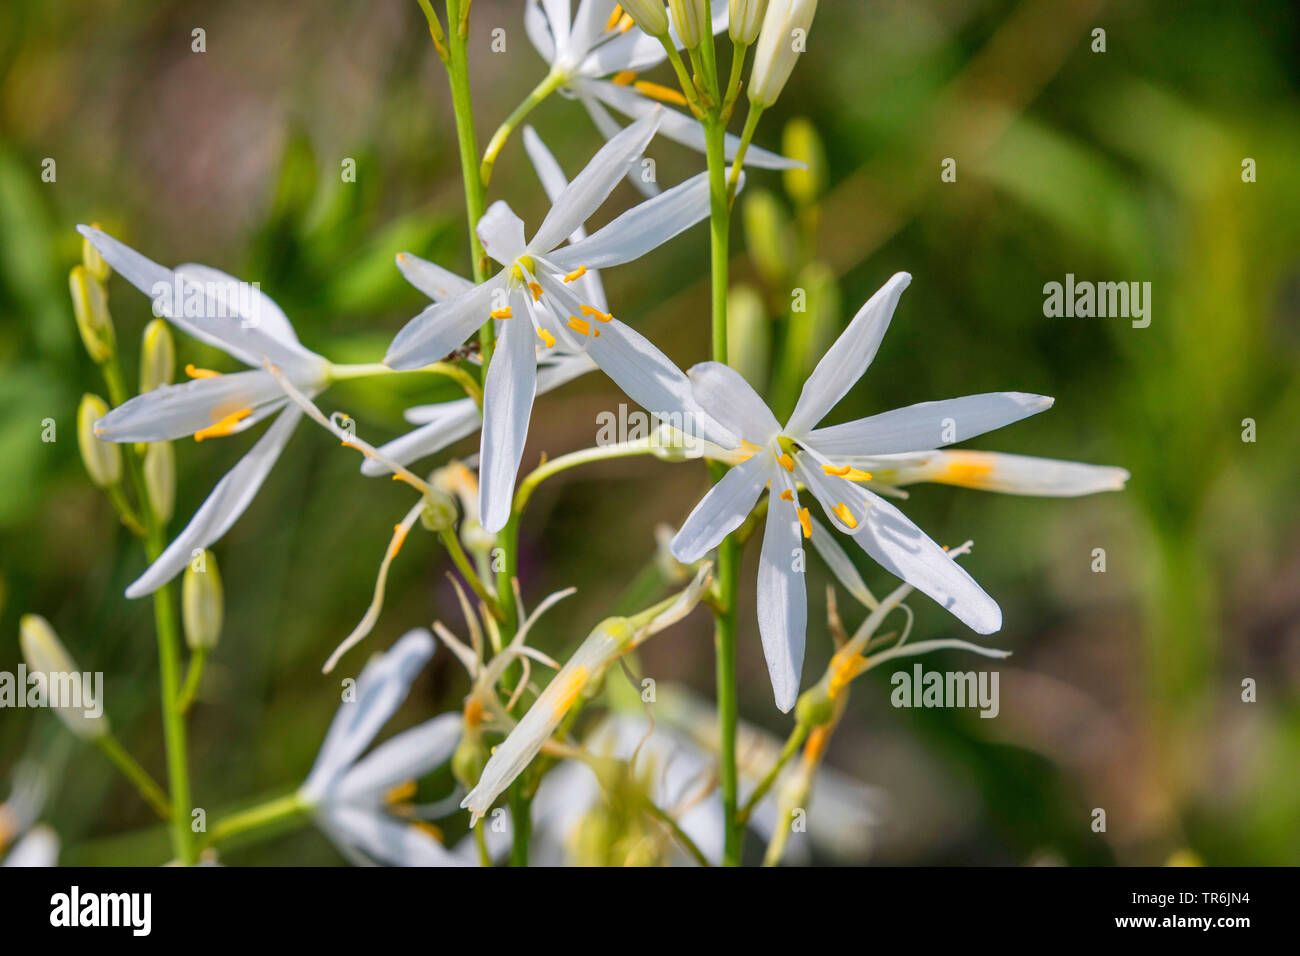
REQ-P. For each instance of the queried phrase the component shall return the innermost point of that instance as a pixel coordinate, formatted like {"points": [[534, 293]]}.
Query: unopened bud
{"points": [[90, 306], [812, 332], [767, 236], [66, 687], [781, 40], [160, 478], [814, 706], [157, 356], [470, 758], [649, 15], [800, 141], [744, 17], [749, 335], [688, 18], [103, 459], [92, 260], [202, 605]]}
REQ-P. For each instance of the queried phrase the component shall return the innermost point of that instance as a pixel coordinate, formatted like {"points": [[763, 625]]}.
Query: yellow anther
{"points": [[844, 514], [594, 313], [847, 472], [966, 468], [626, 23], [786, 462], [816, 745], [547, 337], [787, 495], [536, 290], [195, 372], [805, 522], [581, 326], [615, 15], [569, 691], [501, 313], [844, 667], [474, 712], [657, 91], [576, 274], [223, 427], [425, 826], [837, 472], [623, 78], [399, 538], [402, 793]]}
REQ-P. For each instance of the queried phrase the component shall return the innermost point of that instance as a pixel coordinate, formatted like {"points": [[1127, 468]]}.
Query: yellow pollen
{"points": [[576, 274], [816, 745], [501, 313], [847, 472], [657, 91], [624, 78], [615, 15], [536, 290], [595, 313], [805, 522], [223, 427], [786, 462], [399, 538], [844, 667], [194, 372], [626, 23], [426, 827], [787, 495], [844, 514], [402, 793], [966, 469], [546, 337], [474, 712], [568, 691], [746, 451], [581, 326]]}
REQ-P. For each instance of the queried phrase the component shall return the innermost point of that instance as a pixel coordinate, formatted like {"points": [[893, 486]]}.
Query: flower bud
{"points": [[74, 702], [812, 331], [439, 511], [768, 238], [782, 39], [744, 17], [800, 141], [470, 758], [749, 335], [93, 261], [814, 706], [688, 18], [202, 607], [649, 15], [103, 459], [160, 478], [90, 306], [157, 356]]}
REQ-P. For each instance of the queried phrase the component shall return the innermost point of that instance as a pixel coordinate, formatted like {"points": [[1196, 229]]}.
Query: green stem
{"points": [[662, 815], [474, 390], [708, 56], [791, 747], [728, 552], [190, 689], [746, 134], [263, 815], [521, 817], [549, 85], [738, 51], [480, 839], [466, 569], [573, 459], [467, 140], [130, 767]]}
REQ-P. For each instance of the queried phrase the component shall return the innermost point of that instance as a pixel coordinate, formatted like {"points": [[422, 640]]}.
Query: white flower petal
{"points": [[838, 561], [40, 847], [589, 188], [175, 411], [724, 394], [926, 425], [636, 51], [1012, 474], [380, 690], [847, 358], [440, 426], [782, 595], [539, 31], [642, 228], [502, 233], [902, 548], [723, 509], [442, 327], [407, 756], [609, 127], [173, 296], [250, 305], [228, 500], [382, 839], [588, 24], [678, 126], [430, 278], [507, 406]]}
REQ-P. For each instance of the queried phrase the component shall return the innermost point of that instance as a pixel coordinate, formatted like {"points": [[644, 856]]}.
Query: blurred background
{"points": [[1125, 688]]}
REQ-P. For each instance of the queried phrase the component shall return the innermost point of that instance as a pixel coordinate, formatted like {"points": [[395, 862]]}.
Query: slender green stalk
{"points": [[190, 689], [264, 815], [473, 389], [466, 569], [707, 55], [480, 839], [549, 85], [791, 747], [462, 104], [522, 819], [689, 845], [130, 767], [556, 465], [738, 51], [724, 637], [751, 123]]}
